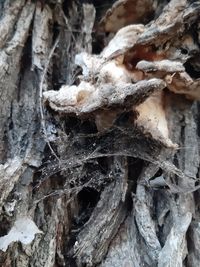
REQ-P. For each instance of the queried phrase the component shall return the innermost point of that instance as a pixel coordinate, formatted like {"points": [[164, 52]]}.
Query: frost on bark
{"points": [[99, 141]]}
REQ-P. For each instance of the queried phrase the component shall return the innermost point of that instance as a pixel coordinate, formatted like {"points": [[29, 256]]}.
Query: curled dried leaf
{"points": [[153, 120], [69, 95], [166, 66], [123, 40], [170, 25], [136, 54], [182, 83], [176, 78], [90, 64], [112, 71], [102, 97]]}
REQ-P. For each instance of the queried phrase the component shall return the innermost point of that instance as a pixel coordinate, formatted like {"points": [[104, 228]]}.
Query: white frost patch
{"points": [[23, 230]]}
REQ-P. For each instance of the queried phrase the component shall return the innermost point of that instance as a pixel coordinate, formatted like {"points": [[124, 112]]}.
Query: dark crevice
{"points": [[87, 199], [135, 166], [190, 69], [158, 173], [66, 6], [5, 225], [25, 64]]}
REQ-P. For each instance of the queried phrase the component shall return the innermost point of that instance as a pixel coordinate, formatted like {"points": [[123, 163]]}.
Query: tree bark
{"points": [[73, 194]]}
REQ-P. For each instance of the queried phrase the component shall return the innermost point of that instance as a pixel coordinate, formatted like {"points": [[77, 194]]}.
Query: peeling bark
{"points": [[99, 141]]}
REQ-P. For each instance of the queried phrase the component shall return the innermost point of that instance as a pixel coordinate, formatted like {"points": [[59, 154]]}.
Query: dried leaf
{"points": [[166, 66], [90, 64], [153, 120], [112, 71], [69, 95], [102, 97], [123, 40], [182, 83], [174, 74]]}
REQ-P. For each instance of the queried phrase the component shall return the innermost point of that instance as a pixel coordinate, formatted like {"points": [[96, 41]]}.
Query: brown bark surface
{"points": [[112, 179]]}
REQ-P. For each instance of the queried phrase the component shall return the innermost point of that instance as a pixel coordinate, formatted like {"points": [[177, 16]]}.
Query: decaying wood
{"points": [[92, 242], [10, 173], [99, 141], [126, 12]]}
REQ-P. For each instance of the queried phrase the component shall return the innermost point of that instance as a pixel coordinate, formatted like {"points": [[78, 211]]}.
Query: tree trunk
{"points": [[94, 181]]}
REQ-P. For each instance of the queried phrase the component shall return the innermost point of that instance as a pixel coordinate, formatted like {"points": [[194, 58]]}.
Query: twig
{"points": [[61, 192], [41, 95]]}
